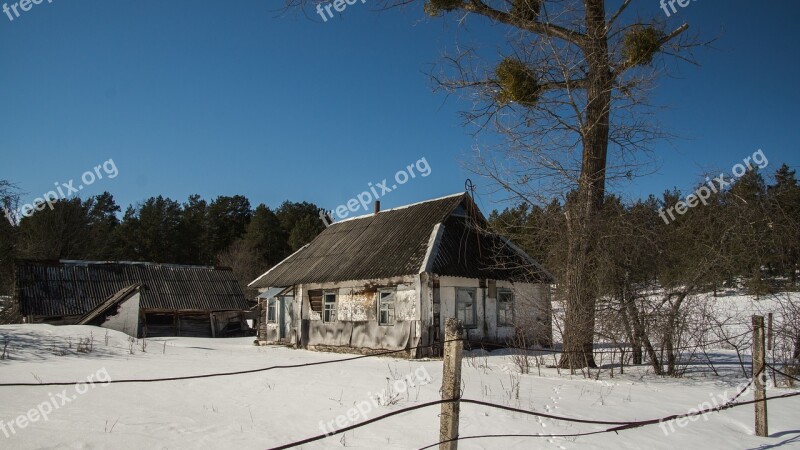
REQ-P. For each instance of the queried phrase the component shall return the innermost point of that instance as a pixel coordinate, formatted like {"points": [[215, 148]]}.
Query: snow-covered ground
{"points": [[266, 409]]}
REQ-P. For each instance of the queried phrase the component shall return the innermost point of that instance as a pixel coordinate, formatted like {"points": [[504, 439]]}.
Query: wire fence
{"points": [[609, 348], [478, 344], [616, 426], [483, 345]]}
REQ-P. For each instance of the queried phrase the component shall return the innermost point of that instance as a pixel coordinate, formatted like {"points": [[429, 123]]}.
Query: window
{"points": [[505, 308], [329, 307], [386, 307], [272, 310], [465, 306]]}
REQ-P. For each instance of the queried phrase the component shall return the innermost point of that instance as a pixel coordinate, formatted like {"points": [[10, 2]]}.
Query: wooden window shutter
{"points": [[315, 300]]}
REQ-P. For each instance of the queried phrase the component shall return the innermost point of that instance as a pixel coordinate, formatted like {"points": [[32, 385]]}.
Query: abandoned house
{"points": [[389, 280], [140, 299]]}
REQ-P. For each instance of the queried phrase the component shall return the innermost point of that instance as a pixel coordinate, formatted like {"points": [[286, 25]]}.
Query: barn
{"points": [[389, 281], [140, 299]]}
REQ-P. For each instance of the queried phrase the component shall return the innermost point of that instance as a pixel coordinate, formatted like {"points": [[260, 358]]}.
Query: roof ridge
{"points": [[81, 262], [397, 208]]}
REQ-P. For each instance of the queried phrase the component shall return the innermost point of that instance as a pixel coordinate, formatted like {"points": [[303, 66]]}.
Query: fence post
{"points": [[760, 376], [451, 384], [769, 332]]}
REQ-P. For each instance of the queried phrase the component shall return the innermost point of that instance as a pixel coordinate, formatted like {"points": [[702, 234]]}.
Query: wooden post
{"points": [[451, 384], [769, 332], [760, 376]]}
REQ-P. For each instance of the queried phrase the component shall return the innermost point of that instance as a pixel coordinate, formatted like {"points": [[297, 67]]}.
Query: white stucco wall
{"points": [[357, 300], [531, 308], [357, 314]]}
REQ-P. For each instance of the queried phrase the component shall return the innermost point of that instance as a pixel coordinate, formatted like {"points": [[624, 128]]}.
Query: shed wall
{"points": [[126, 317]]}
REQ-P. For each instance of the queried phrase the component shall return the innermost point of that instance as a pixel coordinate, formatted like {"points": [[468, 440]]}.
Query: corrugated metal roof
{"points": [[394, 243], [62, 288], [271, 292]]}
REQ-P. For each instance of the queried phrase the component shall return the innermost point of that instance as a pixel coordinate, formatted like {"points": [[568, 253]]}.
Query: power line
{"points": [[292, 366], [783, 373], [359, 425], [225, 374], [628, 426], [619, 425], [604, 350]]}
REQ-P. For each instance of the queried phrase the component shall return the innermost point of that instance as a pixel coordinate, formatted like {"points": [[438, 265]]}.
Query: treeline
{"points": [[748, 233], [226, 231], [649, 272]]}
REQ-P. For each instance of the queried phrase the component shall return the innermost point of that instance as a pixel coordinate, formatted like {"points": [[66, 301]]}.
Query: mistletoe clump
{"points": [[641, 44], [526, 9], [437, 7], [518, 83]]}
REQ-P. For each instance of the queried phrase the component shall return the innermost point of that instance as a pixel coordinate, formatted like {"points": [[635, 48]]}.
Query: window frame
{"points": [[333, 309], [509, 310], [474, 291], [272, 308], [391, 306]]}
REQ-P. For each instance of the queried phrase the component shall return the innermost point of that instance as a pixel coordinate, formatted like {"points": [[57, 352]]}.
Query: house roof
{"points": [[465, 251], [64, 288], [432, 236]]}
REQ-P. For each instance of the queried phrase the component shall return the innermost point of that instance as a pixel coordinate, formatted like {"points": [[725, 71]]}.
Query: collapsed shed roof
{"points": [[65, 288]]}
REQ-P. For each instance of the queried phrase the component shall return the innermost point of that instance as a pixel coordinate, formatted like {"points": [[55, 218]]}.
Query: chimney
{"points": [[377, 206]]}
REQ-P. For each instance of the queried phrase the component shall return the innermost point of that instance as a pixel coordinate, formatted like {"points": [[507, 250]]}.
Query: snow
{"points": [[266, 409]]}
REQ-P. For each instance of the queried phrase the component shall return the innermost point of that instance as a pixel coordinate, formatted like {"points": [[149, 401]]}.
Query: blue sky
{"points": [[224, 98]]}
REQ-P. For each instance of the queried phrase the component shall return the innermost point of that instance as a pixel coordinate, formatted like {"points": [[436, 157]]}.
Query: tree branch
{"points": [[617, 14], [541, 28]]}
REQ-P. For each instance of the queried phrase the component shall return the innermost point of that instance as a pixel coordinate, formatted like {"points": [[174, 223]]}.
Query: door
{"points": [[282, 317]]}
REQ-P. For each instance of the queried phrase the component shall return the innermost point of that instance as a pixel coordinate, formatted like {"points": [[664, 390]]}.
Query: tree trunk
{"points": [[579, 305], [626, 322], [580, 293], [630, 328], [638, 329], [669, 335]]}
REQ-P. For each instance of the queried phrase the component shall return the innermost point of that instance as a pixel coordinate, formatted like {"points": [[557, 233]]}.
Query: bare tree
{"points": [[244, 262], [569, 95], [9, 201]]}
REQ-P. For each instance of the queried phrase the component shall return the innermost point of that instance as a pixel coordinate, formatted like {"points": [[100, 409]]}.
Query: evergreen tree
{"points": [[151, 232], [193, 232], [102, 211], [266, 236], [227, 220], [784, 222]]}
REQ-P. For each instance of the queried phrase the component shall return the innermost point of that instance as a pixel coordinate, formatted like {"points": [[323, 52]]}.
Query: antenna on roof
{"points": [[469, 187]]}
